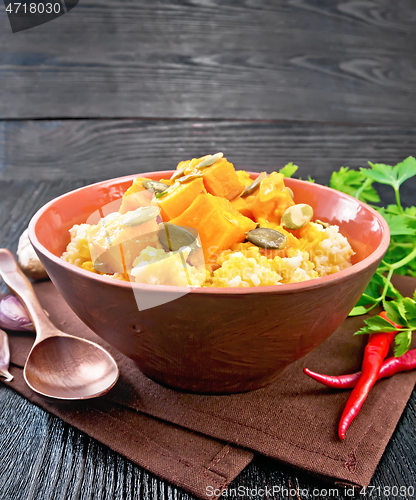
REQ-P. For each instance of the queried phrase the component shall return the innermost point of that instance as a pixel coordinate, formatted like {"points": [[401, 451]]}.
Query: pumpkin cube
{"points": [[240, 205], [219, 225], [136, 196], [271, 199], [174, 202], [221, 179]]}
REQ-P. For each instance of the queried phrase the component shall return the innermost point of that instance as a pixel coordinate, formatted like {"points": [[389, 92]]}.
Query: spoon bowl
{"points": [[77, 360], [59, 366]]}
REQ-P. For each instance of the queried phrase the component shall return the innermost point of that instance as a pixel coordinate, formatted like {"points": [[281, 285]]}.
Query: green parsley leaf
{"points": [[402, 342], [364, 300], [391, 291], [358, 311], [380, 173], [288, 170], [401, 254], [398, 224], [396, 311], [410, 310], [393, 176], [352, 182], [376, 324], [405, 170]]}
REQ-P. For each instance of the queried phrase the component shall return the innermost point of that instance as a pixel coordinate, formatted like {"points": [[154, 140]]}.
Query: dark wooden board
{"points": [[42, 458], [337, 61], [92, 150]]}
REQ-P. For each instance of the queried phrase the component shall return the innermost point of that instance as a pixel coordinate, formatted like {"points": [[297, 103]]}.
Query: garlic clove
{"points": [[28, 261], [5, 357]]}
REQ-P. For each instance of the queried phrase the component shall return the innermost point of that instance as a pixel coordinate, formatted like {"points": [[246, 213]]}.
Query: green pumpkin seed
{"points": [[265, 237], [323, 224], [177, 174], [290, 192], [297, 216], [254, 185], [155, 186], [160, 195], [110, 218], [209, 161], [140, 216], [188, 178], [174, 237]]}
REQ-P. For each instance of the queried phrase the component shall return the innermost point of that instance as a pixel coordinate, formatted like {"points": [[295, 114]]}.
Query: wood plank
{"points": [[19, 201], [42, 458], [339, 61], [92, 150]]}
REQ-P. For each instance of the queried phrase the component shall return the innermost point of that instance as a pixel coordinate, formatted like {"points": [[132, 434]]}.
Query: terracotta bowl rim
{"points": [[289, 288]]}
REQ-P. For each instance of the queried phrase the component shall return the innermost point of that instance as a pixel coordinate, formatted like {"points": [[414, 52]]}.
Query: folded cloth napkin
{"points": [[293, 420]]}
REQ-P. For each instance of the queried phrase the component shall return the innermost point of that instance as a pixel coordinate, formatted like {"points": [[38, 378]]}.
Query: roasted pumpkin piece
{"points": [[136, 196], [244, 177], [219, 225], [240, 205], [271, 200], [233, 215], [166, 181], [174, 202], [221, 179]]}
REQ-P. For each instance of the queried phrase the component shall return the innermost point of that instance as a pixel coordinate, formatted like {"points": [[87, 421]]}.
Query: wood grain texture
{"points": [[339, 61], [42, 458], [86, 151]]}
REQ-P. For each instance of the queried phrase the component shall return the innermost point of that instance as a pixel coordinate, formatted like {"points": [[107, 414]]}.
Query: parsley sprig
{"points": [[401, 255]]}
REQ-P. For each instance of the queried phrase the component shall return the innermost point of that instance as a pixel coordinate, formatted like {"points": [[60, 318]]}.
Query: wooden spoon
{"points": [[59, 365]]}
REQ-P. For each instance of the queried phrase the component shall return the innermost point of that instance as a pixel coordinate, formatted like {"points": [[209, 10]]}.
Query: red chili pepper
{"points": [[374, 354], [390, 367]]}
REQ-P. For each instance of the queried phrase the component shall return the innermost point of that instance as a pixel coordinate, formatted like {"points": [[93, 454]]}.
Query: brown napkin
{"points": [[294, 420]]}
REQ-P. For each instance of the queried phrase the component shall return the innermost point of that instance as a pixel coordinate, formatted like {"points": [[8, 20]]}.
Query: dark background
{"points": [[119, 87]]}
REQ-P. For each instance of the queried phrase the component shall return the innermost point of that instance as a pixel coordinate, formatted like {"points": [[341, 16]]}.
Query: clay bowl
{"points": [[211, 340]]}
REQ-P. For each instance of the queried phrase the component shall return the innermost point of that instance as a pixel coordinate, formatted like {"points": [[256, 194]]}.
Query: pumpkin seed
{"points": [[160, 195], [188, 178], [254, 185], [297, 216], [209, 161], [140, 216], [323, 224], [177, 174], [290, 192], [265, 237], [173, 237], [110, 218], [155, 186]]}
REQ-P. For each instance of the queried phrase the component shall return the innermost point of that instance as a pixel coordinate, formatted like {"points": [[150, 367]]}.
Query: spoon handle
{"points": [[17, 281]]}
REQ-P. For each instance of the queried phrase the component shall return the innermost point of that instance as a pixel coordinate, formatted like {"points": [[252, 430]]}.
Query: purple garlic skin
{"points": [[13, 315]]}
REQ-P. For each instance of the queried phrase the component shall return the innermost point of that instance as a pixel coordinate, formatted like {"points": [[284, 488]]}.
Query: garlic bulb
{"points": [[29, 262]]}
